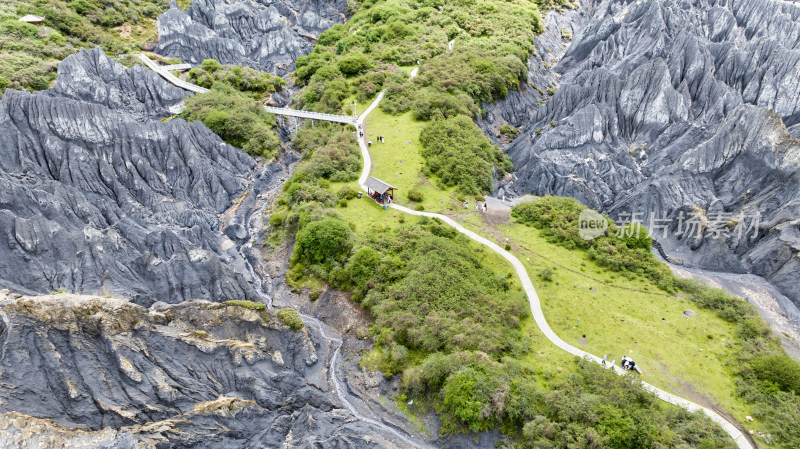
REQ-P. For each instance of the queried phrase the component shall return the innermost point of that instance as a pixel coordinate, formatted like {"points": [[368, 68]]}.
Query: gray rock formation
{"points": [[519, 106], [100, 197], [93, 77], [267, 35], [198, 374], [101, 200], [681, 106]]}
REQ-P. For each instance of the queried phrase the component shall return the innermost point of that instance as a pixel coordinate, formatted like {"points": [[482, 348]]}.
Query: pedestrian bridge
{"points": [[169, 76], [312, 115]]}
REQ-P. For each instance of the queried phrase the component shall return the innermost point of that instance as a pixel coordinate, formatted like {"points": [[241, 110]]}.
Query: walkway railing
{"points": [[312, 115], [170, 77]]}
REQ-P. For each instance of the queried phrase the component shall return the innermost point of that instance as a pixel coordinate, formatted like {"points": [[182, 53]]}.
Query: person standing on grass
{"points": [[466, 204]]}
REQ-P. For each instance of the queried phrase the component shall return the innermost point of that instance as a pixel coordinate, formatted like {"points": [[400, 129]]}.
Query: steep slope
{"points": [[267, 35], [670, 107], [92, 77], [98, 199], [197, 374]]}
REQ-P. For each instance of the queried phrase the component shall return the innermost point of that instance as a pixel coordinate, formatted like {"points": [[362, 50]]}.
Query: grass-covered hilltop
{"points": [[450, 322], [450, 317]]}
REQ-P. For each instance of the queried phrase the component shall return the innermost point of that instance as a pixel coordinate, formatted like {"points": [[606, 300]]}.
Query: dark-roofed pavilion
{"points": [[380, 191]]}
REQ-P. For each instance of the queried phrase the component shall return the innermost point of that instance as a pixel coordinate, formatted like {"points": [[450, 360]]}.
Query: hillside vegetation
{"points": [[492, 43], [233, 108], [765, 377], [29, 55], [453, 321]]}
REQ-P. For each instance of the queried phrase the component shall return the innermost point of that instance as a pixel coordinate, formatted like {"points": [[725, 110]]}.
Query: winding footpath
{"points": [[739, 438], [533, 299]]}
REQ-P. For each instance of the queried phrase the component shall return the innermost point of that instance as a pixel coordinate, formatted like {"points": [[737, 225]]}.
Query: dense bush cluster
{"points": [[257, 84], [236, 118], [331, 155], [591, 408], [626, 250], [766, 377], [428, 290], [458, 153], [29, 55], [325, 241]]}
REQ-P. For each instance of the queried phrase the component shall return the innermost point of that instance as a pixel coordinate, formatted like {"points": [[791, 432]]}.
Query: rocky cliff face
{"points": [[90, 76], [680, 107], [96, 198], [196, 374], [101, 197], [265, 34]]}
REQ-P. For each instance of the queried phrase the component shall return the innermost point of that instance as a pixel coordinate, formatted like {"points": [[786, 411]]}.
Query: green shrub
{"points": [[558, 220], [354, 64], [466, 395], [276, 220], [363, 266], [636, 236], [415, 195], [19, 30], [291, 318], [250, 305], [347, 193], [508, 131], [428, 287], [323, 241], [546, 274], [342, 202], [727, 307], [779, 370]]}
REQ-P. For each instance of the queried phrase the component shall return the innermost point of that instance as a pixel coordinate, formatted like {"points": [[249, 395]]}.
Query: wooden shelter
{"points": [[379, 191], [34, 20]]}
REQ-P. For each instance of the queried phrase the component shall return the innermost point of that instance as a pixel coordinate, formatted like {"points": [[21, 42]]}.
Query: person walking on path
{"points": [[484, 207], [466, 204], [477, 206]]}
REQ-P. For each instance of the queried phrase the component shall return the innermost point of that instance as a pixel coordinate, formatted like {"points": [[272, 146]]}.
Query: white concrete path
{"points": [[169, 76], [533, 299]]}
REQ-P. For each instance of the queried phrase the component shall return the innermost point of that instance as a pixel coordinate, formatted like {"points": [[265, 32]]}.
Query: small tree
{"points": [[323, 241], [354, 64]]}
